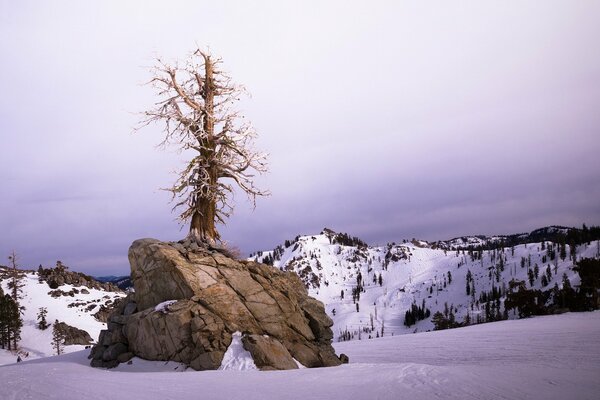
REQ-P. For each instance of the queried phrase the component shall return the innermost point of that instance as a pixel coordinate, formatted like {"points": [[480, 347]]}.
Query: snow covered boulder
{"points": [[190, 300]]}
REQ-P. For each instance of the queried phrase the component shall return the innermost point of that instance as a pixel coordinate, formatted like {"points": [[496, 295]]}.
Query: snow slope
{"points": [[37, 343], [412, 272], [552, 357]]}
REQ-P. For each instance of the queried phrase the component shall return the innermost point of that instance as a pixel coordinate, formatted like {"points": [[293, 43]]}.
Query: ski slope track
{"points": [[549, 357]]}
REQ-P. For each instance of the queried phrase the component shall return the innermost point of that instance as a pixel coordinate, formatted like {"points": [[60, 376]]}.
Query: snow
{"points": [[37, 343], [237, 358], [164, 306], [334, 268], [551, 357]]}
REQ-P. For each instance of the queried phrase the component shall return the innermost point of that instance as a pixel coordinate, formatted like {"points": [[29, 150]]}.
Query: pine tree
{"points": [[42, 323], [4, 341], [563, 251], [530, 276], [467, 319], [548, 273], [469, 279], [573, 252], [439, 321], [10, 323], [16, 323], [58, 338]]}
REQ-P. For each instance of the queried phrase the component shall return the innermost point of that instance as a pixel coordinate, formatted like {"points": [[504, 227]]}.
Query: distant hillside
{"points": [[70, 297], [399, 288], [555, 234], [122, 282]]}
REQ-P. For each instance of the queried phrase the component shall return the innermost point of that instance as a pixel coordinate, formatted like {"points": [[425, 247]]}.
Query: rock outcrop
{"points": [[73, 335], [60, 275], [189, 300]]}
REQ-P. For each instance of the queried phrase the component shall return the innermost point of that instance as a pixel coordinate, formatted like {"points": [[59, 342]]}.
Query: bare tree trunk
{"points": [[202, 227]]}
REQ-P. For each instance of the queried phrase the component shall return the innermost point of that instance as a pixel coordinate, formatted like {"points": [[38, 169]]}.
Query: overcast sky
{"points": [[384, 119]]}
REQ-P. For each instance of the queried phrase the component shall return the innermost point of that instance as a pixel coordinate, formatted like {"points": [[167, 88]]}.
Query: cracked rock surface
{"points": [[209, 297]]}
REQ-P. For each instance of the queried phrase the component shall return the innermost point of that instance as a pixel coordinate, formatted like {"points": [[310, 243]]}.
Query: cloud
{"points": [[386, 120]]}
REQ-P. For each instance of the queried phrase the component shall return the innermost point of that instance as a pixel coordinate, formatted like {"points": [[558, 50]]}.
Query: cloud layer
{"points": [[388, 120]]}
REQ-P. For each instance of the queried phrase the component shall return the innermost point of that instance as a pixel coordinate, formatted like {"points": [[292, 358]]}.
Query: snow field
{"points": [[551, 357]]}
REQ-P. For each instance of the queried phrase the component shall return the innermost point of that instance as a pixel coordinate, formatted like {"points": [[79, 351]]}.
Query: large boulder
{"points": [[268, 353], [189, 301], [73, 335]]}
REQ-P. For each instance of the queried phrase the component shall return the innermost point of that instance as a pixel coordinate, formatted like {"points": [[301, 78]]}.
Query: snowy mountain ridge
{"points": [[372, 291], [548, 233], [367, 290]]}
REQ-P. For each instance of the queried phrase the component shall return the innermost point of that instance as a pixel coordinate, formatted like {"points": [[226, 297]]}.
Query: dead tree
{"points": [[15, 284], [195, 107]]}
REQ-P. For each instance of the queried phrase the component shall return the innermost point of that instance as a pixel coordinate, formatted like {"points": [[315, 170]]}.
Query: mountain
{"points": [[386, 290], [554, 356], [372, 291], [554, 233], [70, 297], [122, 282]]}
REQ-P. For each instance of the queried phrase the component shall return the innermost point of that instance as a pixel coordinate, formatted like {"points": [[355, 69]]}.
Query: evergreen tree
{"points": [[42, 323], [467, 319], [469, 279], [530, 277], [439, 321], [58, 338], [527, 302], [10, 323], [548, 273], [589, 272], [563, 251]]}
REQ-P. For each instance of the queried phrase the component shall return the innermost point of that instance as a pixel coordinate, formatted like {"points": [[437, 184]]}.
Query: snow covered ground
{"points": [[71, 310], [551, 357]]}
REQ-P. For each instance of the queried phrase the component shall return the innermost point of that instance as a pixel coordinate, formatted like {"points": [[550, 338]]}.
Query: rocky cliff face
{"points": [[189, 301]]}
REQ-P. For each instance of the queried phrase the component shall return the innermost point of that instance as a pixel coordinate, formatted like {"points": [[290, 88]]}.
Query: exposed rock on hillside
{"points": [[188, 302], [61, 275], [73, 335]]}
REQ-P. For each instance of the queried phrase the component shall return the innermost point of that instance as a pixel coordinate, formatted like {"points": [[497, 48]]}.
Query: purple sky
{"points": [[387, 120]]}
